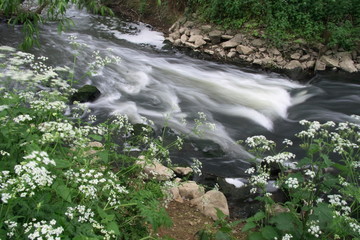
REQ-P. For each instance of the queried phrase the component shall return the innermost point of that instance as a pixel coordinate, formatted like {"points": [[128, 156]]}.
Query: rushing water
{"points": [[161, 84]]}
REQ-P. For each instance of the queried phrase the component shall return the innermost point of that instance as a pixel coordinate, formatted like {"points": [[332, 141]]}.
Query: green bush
{"points": [[329, 21]]}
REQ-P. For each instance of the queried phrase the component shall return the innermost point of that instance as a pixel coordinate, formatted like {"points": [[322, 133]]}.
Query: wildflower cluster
{"points": [[42, 230]]}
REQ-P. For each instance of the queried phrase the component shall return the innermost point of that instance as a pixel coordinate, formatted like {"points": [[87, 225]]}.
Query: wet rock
{"points": [[257, 42], [191, 190], [210, 201], [294, 64], [330, 61], [244, 49], [86, 93], [183, 171], [320, 66], [229, 44], [215, 36]]}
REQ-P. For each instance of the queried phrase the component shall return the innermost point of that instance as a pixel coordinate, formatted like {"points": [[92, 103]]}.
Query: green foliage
{"points": [[322, 192], [17, 13], [329, 21]]}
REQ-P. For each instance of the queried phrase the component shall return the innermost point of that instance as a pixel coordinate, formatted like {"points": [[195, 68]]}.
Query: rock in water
{"points": [[86, 93]]}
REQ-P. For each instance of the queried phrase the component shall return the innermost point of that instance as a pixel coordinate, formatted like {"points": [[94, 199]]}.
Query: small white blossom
{"points": [[292, 183]]}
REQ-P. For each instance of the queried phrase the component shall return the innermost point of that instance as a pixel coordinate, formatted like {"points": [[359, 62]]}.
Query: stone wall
{"points": [[231, 45]]}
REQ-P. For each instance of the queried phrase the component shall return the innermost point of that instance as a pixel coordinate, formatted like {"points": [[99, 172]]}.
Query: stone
{"points": [[177, 42], [189, 24], [193, 38], [190, 45], [182, 30], [262, 49], [206, 28], [182, 171], [170, 39], [294, 64], [258, 61], [231, 54], [305, 57], [208, 51], [174, 27], [175, 194], [215, 36], [226, 37], [274, 51], [229, 44], [310, 64], [195, 32], [184, 38], [244, 49], [358, 67], [348, 65], [276, 209], [295, 56], [156, 170], [191, 190], [206, 38], [86, 93], [187, 32], [210, 202], [343, 55], [320, 66], [329, 52], [175, 35], [330, 61], [279, 59], [257, 42], [239, 38], [199, 42]]}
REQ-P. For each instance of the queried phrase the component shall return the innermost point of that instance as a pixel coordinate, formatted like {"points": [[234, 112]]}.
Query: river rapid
{"points": [[165, 85]]}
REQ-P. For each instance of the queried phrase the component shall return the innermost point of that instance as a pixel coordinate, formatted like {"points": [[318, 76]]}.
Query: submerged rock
{"points": [[86, 93]]}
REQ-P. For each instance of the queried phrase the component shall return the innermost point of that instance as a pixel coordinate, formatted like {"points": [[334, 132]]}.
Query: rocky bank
{"points": [[239, 46]]}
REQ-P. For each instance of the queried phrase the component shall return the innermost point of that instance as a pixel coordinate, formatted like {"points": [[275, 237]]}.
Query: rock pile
{"points": [[230, 45]]}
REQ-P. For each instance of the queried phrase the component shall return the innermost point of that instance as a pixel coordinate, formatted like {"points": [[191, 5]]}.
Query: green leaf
{"points": [[259, 216], [222, 236], [104, 156], [105, 217], [62, 163], [96, 137], [112, 226], [324, 213], [268, 232], [286, 222], [327, 161], [62, 190], [256, 236], [248, 226]]}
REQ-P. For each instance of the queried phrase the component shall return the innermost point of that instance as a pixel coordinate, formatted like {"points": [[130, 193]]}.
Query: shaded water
{"points": [[161, 84]]}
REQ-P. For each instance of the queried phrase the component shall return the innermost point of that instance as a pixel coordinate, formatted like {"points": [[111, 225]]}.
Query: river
{"points": [[167, 86]]}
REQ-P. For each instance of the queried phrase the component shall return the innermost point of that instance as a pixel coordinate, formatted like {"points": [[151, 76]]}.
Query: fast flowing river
{"points": [[168, 86]]}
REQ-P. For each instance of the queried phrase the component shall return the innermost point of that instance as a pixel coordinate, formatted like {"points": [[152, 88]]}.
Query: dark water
{"points": [[161, 84]]}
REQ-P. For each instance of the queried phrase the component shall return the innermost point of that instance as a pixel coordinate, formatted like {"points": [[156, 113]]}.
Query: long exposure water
{"points": [[168, 86]]}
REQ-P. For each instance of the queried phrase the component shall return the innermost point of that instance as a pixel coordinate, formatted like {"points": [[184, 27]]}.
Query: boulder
{"points": [[175, 35], [330, 61], [294, 64], [210, 202], [86, 93], [195, 32], [348, 65], [177, 42], [229, 44], [215, 36], [257, 42], [156, 170], [175, 194], [320, 66], [184, 38], [199, 42], [231, 54], [295, 56], [183, 171], [244, 49], [191, 190]]}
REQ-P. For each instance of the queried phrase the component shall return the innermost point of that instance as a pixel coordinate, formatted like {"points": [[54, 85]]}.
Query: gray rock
{"points": [[258, 61], [294, 64], [210, 201], [262, 49], [239, 38], [184, 38], [274, 51], [193, 38], [279, 59], [295, 56], [358, 67], [199, 42], [175, 35], [257, 42], [182, 171], [187, 32], [229, 44], [215, 36], [174, 27], [231, 54], [244, 49], [310, 64], [86, 93], [206, 38], [305, 57], [182, 30], [170, 39], [189, 24], [190, 45], [320, 66], [330, 61], [156, 170], [195, 32], [343, 56], [221, 53], [206, 28], [177, 42], [348, 65], [226, 37], [329, 52], [208, 51], [175, 194], [190, 190]]}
